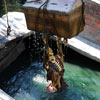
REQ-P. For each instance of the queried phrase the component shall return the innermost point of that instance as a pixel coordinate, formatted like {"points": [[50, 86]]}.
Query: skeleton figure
{"points": [[54, 64]]}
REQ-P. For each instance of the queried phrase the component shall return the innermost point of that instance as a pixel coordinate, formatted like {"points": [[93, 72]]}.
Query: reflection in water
{"points": [[30, 84]]}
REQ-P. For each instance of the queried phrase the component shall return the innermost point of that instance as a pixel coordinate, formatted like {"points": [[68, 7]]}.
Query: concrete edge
{"points": [[85, 47], [5, 96]]}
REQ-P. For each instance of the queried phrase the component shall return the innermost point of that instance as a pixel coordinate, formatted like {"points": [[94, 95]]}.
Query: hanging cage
{"points": [[63, 18]]}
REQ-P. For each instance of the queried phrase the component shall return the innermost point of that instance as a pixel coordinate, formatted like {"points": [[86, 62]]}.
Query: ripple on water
{"points": [[30, 84]]}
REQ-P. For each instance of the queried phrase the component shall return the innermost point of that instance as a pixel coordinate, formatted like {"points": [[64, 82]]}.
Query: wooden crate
{"points": [[62, 17]]}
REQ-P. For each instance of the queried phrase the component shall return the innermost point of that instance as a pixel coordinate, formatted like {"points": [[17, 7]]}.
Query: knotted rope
{"points": [[6, 10]]}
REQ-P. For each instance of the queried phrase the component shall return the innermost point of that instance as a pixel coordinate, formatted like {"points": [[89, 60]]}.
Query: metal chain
{"points": [[8, 28]]}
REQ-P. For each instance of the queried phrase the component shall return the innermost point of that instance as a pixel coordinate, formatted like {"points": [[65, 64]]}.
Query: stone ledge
{"points": [[5, 96], [85, 47]]}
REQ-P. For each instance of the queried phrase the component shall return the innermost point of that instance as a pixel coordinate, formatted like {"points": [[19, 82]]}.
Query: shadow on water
{"points": [[81, 60]]}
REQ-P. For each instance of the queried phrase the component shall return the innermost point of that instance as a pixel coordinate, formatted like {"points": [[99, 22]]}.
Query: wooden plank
{"points": [[11, 54]]}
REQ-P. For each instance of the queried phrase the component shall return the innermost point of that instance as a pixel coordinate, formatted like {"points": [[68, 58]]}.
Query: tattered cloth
{"points": [[55, 68]]}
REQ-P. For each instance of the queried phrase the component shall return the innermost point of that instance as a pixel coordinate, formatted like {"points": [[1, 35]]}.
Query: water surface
{"points": [[29, 83]]}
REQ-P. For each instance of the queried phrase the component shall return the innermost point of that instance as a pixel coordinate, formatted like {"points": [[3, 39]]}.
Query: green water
{"points": [[29, 82]]}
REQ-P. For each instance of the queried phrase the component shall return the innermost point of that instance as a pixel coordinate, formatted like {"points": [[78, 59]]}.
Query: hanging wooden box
{"points": [[64, 16]]}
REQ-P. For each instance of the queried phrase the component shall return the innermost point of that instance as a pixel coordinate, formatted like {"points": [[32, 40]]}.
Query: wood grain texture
{"points": [[67, 25]]}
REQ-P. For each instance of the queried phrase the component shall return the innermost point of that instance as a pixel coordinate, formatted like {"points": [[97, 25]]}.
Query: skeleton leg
{"points": [[59, 49]]}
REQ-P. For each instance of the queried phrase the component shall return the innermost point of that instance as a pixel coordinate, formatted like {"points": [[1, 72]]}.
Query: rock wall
{"points": [[92, 20]]}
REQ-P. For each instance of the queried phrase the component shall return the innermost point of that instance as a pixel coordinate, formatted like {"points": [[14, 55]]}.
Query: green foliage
{"points": [[1, 7], [12, 5]]}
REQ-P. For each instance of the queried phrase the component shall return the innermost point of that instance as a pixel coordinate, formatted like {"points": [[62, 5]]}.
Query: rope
{"points": [[51, 21], [8, 28], [46, 30], [45, 12]]}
